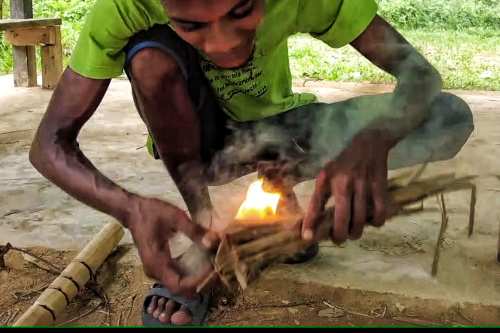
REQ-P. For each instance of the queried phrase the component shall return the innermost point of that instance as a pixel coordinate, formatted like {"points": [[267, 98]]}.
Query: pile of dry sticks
{"points": [[249, 248]]}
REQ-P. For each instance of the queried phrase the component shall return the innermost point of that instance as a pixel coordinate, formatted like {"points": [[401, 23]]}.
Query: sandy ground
{"points": [[382, 279]]}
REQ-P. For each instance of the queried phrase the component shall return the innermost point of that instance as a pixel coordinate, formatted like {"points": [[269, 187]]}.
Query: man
{"points": [[211, 80]]}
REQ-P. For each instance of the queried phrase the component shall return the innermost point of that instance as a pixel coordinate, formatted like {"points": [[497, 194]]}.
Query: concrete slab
{"points": [[398, 257], [394, 259]]}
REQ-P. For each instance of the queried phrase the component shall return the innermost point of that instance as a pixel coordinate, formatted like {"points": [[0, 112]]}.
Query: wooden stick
{"points": [[444, 225], [51, 303], [42, 264], [472, 209]]}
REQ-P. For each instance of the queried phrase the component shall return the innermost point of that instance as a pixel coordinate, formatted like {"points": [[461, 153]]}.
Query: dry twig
{"points": [[472, 208], [8, 247], [279, 306], [457, 309], [83, 315], [7, 315], [118, 320], [444, 225], [452, 323], [108, 316], [349, 311], [40, 264], [18, 131], [415, 321], [131, 308], [23, 296], [12, 317]]}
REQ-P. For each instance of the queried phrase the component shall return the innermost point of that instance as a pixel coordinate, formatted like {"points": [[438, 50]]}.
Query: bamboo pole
{"points": [[52, 302]]}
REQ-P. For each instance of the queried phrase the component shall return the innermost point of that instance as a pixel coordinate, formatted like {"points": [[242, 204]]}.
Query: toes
{"points": [[182, 317], [166, 315], [169, 311], [153, 304], [160, 308]]}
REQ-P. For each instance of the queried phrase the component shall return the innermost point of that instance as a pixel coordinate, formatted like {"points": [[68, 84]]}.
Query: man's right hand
{"points": [[152, 222], [55, 153]]}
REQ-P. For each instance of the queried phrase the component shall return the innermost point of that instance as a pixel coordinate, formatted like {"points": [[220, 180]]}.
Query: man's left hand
{"points": [[356, 177]]}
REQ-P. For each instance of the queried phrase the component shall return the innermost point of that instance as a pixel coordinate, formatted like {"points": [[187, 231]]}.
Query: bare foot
{"points": [[168, 311]]}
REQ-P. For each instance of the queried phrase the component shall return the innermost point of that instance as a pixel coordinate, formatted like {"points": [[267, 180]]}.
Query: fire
{"points": [[258, 203]]}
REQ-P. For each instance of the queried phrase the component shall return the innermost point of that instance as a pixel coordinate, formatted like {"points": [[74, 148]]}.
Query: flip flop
{"points": [[197, 307]]}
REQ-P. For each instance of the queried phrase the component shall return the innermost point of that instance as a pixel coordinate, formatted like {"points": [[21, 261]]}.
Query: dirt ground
{"points": [[114, 298], [38, 217]]}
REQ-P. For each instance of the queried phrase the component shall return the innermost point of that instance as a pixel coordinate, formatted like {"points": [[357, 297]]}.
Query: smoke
{"points": [[312, 135], [431, 126]]}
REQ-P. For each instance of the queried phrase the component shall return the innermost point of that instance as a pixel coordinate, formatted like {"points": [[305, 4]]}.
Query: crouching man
{"points": [[211, 81]]}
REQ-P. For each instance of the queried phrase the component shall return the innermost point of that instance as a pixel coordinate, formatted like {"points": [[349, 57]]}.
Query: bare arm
{"points": [[56, 155], [418, 82], [174, 125], [359, 174], [55, 152]]}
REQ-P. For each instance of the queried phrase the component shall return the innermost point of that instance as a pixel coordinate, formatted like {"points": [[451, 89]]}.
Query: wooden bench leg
{"points": [[24, 66], [52, 64], [23, 56]]}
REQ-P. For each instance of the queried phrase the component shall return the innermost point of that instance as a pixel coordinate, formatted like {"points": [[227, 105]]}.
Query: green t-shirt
{"points": [[260, 88]]}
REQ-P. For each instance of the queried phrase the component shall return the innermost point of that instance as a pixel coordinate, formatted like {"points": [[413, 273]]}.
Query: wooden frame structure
{"points": [[25, 33]]}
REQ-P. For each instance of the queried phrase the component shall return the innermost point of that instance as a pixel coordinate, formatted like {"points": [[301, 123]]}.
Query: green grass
{"points": [[441, 14], [72, 13], [461, 38], [462, 58], [5, 56]]}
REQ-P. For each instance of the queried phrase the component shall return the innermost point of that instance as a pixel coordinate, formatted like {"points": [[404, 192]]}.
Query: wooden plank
{"points": [[24, 57], [52, 64], [10, 24], [31, 36]]}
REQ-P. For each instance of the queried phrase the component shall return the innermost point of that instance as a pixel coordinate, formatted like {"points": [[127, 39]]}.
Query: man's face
{"points": [[224, 30]]}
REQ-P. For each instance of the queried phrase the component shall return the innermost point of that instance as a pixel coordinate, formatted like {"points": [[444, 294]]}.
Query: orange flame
{"points": [[258, 203]]}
